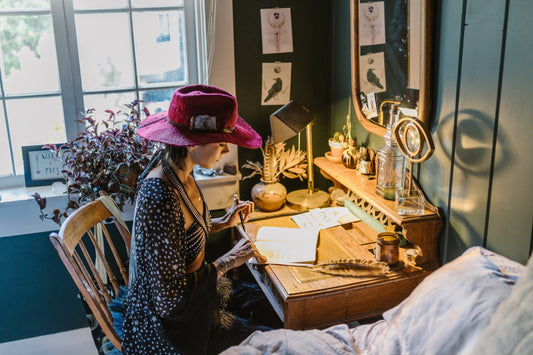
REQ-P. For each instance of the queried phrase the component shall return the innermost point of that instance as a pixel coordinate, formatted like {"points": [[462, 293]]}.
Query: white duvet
{"points": [[335, 340]]}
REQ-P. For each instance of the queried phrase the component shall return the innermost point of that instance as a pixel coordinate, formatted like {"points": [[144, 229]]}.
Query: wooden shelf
{"points": [[422, 230]]}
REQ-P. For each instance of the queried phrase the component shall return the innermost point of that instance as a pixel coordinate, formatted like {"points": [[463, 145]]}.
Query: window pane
{"points": [[99, 4], [104, 47], [156, 100], [28, 4], [113, 102], [29, 58], [156, 3], [160, 47], [5, 158], [34, 121]]}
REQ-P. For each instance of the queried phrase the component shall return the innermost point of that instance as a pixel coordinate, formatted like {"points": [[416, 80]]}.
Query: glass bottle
{"points": [[390, 161]]}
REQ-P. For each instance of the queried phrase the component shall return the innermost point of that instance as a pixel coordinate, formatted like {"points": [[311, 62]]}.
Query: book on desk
{"points": [[293, 245]]}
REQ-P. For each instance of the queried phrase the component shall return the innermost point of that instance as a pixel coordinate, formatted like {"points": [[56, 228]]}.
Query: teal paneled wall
{"points": [[511, 207], [482, 104]]}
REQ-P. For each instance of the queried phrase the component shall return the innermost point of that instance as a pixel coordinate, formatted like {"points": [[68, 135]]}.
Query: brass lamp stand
{"points": [[285, 123]]}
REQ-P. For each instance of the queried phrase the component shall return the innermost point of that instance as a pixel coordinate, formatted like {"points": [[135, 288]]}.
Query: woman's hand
{"points": [[244, 207], [238, 255], [232, 217]]}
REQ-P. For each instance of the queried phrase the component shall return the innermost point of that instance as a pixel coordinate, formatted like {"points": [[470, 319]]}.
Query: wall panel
{"points": [[435, 173], [510, 224], [480, 64]]}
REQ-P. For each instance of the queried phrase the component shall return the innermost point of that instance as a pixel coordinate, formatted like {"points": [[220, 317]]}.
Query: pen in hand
{"points": [[236, 199], [260, 257]]}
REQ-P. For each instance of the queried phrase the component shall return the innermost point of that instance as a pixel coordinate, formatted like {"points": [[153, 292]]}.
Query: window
{"points": [[61, 57]]}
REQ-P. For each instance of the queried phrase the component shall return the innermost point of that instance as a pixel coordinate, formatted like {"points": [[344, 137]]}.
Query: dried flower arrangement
{"points": [[278, 162], [105, 158]]}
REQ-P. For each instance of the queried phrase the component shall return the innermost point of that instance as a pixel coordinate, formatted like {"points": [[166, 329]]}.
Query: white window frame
{"points": [[71, 92]]}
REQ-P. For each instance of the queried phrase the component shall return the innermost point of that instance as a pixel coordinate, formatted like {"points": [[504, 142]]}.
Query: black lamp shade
{"points": [[288, 120]]}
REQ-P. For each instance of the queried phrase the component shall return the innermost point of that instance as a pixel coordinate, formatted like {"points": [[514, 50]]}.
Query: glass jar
{"points": [[390, 161]]}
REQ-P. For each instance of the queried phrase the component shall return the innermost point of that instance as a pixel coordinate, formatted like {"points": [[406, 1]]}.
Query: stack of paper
{"points": [[322, 218]]}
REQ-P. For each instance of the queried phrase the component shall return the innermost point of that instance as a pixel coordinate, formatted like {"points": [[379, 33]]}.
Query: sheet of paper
{"points": [[281, 245], [322, 218]]}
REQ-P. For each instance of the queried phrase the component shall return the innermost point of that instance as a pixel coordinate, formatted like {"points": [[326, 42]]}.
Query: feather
{"points": [[354, 267], [269, 162]]}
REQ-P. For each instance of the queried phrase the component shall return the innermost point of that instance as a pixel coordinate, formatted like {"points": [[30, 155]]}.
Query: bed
{"points": [[479, 303]]}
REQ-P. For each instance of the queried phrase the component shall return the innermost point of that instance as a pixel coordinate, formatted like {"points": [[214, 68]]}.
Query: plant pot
{"points": [[336, 148], [269, 196]]}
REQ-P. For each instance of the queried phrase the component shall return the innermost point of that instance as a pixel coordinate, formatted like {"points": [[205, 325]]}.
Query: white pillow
{"points": [[447, 311], [510, 330]]}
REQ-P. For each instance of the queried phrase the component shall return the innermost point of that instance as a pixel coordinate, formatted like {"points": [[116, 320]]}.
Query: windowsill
{"points": [[21, 194], [19, 213]]}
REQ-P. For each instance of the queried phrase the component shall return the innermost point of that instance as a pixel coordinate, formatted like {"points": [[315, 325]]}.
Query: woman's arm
{"points": [[238, 255]]}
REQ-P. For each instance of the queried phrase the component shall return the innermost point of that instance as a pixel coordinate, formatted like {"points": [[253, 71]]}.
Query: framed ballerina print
{"points": [[276, 30], [371, 23]]}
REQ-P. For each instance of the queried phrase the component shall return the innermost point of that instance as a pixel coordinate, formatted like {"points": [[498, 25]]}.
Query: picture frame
{"points": [[41, 166], [372, 105]]}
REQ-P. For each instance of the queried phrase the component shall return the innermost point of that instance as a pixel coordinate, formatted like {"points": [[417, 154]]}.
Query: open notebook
{"points": [[287, 245]]}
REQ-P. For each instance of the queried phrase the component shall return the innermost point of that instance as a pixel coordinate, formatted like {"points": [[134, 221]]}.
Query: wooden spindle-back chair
{"points": [[71, 243]]}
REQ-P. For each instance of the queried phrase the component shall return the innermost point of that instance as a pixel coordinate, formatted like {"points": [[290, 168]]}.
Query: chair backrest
{"points": [[77, 232]]}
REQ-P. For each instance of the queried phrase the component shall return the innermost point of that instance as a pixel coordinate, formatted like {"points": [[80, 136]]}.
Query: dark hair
{"points": [[172, 154]]}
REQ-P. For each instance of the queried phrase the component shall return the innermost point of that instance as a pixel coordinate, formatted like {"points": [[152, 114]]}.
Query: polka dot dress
{"points": [[162, 297]]}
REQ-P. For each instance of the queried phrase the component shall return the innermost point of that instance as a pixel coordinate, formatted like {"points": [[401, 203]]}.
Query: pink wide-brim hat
{"points": [[199, 114]]}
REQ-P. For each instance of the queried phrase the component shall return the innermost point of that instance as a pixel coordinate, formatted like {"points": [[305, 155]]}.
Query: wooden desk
{"points": [[305, 299]]}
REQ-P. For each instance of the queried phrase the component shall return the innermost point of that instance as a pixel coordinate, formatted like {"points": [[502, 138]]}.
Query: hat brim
{"points": [[158, 128]]}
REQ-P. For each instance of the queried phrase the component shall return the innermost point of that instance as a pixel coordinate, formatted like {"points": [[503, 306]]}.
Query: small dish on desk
{"points": [[332, 158]]}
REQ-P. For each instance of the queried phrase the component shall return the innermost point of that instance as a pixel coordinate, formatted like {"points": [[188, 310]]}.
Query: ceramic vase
{"points": [[269, 196]]}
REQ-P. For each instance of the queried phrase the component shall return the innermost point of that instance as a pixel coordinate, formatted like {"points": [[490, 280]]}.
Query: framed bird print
{"points": [[372, 73], [276, 84]]}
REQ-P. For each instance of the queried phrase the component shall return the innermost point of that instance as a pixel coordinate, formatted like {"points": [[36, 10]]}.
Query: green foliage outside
{"points": [[19, 31]]}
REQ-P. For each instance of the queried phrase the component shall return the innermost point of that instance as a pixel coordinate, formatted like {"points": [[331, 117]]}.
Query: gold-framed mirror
{"points": [[391, 60]]}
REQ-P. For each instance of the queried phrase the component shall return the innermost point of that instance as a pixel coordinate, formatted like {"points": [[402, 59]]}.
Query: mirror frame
{"points": [[424, 100]]}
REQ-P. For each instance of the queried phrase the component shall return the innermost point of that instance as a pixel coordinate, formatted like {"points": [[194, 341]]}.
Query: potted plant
{"points": [[105, 158], [269, 194], [337, 144], [340, 142]]}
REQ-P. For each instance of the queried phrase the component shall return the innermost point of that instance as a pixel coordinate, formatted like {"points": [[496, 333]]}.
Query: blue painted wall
{"points": [[38, 295]]}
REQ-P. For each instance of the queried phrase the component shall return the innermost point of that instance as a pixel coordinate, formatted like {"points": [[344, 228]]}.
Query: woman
{"points": [[172, 301]]}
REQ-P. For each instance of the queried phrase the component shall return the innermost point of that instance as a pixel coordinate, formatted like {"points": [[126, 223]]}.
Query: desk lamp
{"points": [[285, 123]]}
